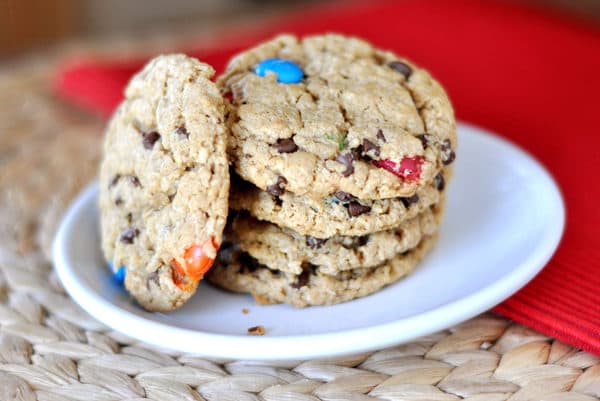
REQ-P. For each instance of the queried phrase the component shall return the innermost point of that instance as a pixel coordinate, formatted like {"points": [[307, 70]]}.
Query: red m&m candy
{"points": [[409, 168]]}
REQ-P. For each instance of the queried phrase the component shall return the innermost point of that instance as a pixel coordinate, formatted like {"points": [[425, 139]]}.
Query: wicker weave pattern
{"points": [[51, 350]]}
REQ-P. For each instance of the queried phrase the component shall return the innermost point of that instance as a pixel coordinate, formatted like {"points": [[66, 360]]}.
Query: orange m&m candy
{"points": [[198, 260]]}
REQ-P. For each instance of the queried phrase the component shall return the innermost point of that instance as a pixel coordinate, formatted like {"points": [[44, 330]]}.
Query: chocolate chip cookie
{"points": [[164, 181], [340, 214], [237, 271], [356, 119], [285, 250]]}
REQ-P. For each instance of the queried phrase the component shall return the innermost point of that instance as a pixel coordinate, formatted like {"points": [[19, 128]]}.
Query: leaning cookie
{"points": [[283, 249], [237, 271], [341, 214], [164, 181], [331, 113]]}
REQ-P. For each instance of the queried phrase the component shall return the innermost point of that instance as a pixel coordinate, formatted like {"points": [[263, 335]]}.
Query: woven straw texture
{"points": [[52, 350]]}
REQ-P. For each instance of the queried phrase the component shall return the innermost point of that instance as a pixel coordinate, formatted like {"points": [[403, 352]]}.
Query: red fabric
{"points": [[531, 74]]}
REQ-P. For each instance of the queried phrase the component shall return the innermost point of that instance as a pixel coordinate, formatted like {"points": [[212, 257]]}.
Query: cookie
{"points": [[239, 272], [341, 214], [285, 250], [164, 181], [359, 120]]}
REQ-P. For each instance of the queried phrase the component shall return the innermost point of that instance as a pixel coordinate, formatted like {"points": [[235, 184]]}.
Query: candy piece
{"points": [[409, 168], [119, 275], [198, 260], [287, 71]]}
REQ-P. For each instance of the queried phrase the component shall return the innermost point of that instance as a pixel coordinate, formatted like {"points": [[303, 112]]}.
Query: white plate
{"points": [[504, 219]]}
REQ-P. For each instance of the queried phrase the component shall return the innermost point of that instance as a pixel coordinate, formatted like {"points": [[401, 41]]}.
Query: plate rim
{"points": [[310, 346]]}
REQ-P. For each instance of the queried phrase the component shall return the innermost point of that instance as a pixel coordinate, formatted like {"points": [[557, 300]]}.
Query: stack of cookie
{"points": [[341, 155]]}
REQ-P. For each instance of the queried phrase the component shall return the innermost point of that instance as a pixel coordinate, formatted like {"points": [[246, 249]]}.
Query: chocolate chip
{"points": [[118, 201], [439, 182], [248, 262], [314, 243], [358, 153], [310, 267], [448, 154], [129, 235], [356, 209], [182, 131], [369, 146], [410, 200], [401, 67], [302, 280], [362, 240], [304, 277], [134, 181], [343, 196], [114, 181], [450, 158], [153, 277], [425, 139], [346, 159], [286, 145], [380, 135], [149, 139], [278, 188], [171, 197]]}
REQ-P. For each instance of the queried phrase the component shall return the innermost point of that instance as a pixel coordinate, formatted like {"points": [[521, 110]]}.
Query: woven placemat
{"points": [[52, 350]]}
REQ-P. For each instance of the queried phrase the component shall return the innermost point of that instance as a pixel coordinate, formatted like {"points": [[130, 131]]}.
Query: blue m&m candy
{"points": [[119, 274], [287, 71]]}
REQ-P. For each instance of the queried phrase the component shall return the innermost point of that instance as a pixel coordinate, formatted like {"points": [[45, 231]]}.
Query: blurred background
{"points": [[29, 25]]}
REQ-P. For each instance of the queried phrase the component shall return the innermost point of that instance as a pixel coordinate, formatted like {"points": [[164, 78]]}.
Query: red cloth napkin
{"points": [[531, 74]]}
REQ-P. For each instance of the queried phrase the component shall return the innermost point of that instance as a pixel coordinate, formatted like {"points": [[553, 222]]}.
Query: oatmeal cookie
{"points": [[164, 181], [355, 119]]}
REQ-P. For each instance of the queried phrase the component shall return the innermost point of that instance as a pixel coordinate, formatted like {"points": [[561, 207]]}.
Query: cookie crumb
{"points": [[245, 311], [256, 330]]}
